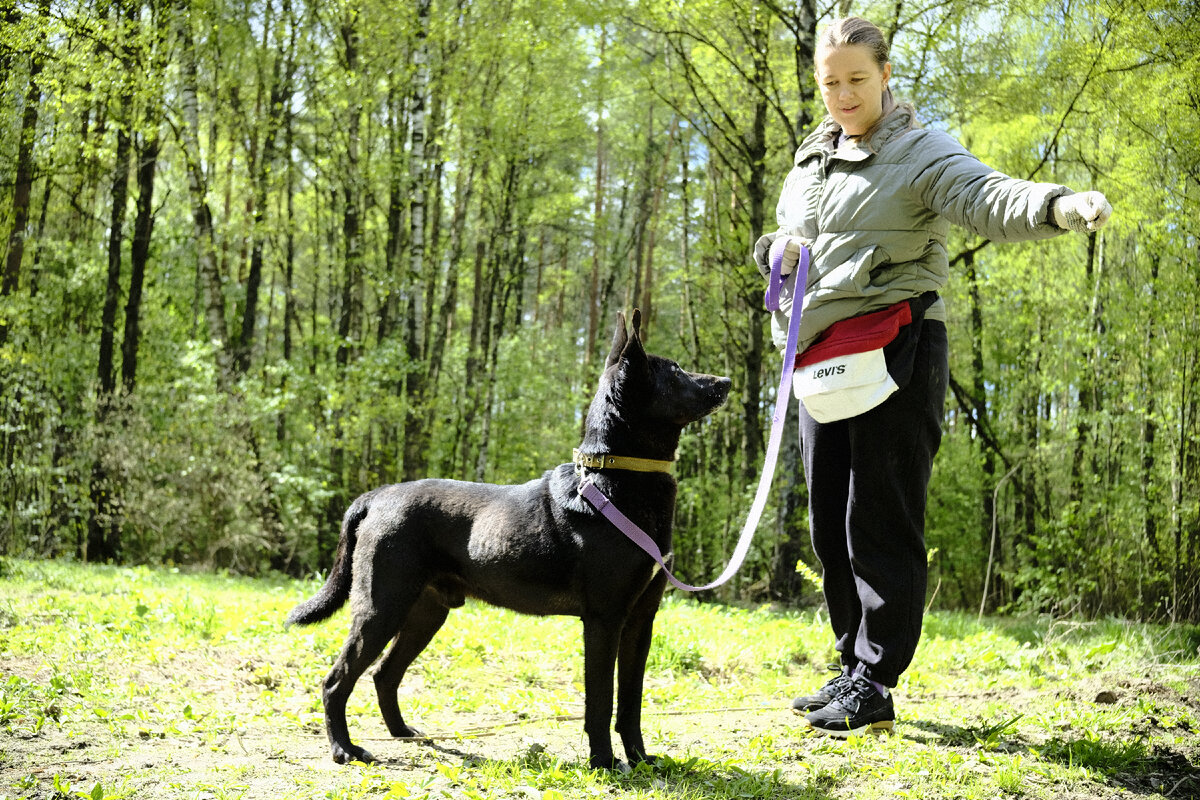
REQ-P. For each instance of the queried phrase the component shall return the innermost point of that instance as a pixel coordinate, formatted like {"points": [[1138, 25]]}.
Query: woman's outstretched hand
{"points": [[1084, 212]]}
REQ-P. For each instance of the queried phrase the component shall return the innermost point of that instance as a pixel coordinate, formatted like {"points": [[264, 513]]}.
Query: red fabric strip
{"points": [[857, 334]]}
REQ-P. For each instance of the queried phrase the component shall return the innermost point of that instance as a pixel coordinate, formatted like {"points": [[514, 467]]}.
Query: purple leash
{"points": [[777, 282]]}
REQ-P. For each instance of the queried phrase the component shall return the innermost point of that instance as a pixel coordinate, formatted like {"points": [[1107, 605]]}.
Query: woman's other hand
{"points": [[1084, 212]]}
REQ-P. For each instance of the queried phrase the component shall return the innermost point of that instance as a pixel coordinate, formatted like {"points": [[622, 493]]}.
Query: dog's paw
{"points": [[411, 734], [607, 762], [347, 755]]}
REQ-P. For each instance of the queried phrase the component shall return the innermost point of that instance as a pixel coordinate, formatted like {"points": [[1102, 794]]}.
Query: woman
{"points": [[873, 197]]}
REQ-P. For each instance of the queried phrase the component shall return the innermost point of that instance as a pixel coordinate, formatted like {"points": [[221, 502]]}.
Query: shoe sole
{"points": [[883, 728]]}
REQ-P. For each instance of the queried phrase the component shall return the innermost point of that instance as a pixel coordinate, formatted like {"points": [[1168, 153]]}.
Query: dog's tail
{"points": [[336, 590]]}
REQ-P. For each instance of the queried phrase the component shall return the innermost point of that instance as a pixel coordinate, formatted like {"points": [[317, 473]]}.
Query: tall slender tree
{"points": [[23, 184], [188, 132]]}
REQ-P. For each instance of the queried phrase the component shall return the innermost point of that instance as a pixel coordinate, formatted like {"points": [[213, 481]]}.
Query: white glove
{"points": [[761, 252], [790, 247], [1084, 212], [767, 247]]}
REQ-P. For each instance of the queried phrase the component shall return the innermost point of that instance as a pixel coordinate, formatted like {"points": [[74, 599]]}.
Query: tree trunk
{"points": [[143, 229], [103, 529], [641, 219], [350, 312], [1185, 577], [756, 156], [786, 583], [480, 304], [397, 191], [280, 100], [463, 191], [1087, 397], [493, 322], [290, 318], [112, 290], [23, 185], [35, 268], [689, 329], [416, 431], [386, 461], [208, 273], [979, 410], [801, 19], [435, 172], [599, 237], [1151, 492], [1027, 476]]}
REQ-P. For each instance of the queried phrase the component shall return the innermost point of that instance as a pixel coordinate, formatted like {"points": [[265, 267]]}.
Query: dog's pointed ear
{"points": [[620, 338], [633, 348]]}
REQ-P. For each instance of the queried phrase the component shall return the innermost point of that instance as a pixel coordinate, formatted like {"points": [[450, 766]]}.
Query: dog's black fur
{"points": [[410, 552]]}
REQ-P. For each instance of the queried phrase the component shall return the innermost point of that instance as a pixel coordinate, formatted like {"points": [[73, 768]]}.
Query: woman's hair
{"points": [[856, 30]]}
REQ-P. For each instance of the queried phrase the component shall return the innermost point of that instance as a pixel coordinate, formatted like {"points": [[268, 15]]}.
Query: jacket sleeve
{"points": [[953, 183]]}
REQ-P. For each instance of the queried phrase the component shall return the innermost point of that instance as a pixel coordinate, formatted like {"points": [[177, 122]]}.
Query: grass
{"points": [[136, 682]]}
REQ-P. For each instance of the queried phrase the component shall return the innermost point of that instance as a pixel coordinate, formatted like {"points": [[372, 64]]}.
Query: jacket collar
{"points": [[821, 142]]}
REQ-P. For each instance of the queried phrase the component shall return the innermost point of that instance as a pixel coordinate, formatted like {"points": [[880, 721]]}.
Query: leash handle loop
{"points": [[775, 285]]}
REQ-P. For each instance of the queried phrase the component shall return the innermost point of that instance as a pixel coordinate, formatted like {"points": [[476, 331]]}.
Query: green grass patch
{"points": [[136, 682]]}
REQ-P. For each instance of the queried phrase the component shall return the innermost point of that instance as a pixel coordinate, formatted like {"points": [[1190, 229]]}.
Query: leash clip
{"points": [[582, 462]]}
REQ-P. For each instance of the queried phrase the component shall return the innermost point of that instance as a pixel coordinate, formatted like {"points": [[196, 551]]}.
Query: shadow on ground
{"points": [[1130, 764], [690, 777]]}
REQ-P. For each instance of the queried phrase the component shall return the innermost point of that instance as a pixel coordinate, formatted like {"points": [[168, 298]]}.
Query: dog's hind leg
{"points": [[636, 638], [369, 634], [600, 638], [423, 621]]}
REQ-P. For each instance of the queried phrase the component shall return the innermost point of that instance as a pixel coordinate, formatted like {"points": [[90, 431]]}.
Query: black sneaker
{"points": [[823, 696], [858, 710]]}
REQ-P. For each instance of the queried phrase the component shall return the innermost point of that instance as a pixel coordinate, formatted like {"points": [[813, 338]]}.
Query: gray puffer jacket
{"points": [[877, 217]]}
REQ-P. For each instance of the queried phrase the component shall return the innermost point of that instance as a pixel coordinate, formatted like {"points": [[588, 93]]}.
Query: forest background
{"points": [[261, 257]]}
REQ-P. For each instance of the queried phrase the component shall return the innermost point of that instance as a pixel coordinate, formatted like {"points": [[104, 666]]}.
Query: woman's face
{"points": [[852, 86]]}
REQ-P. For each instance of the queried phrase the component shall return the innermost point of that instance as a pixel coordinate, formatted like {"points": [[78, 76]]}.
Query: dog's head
{"points": [[652, 389]]}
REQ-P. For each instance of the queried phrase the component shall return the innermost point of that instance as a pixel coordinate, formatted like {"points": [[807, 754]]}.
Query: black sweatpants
{"points": [[867, 478]]}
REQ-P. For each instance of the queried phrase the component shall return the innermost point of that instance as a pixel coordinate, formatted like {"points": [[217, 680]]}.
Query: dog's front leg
{"points": [[636, 638], [600, 641]]}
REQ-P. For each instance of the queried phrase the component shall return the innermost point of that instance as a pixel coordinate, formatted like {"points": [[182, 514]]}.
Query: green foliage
{"points": [[578, 158]]}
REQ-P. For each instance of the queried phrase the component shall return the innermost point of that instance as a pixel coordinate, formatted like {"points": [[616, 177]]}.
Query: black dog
{"points": [[410, 552]]}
